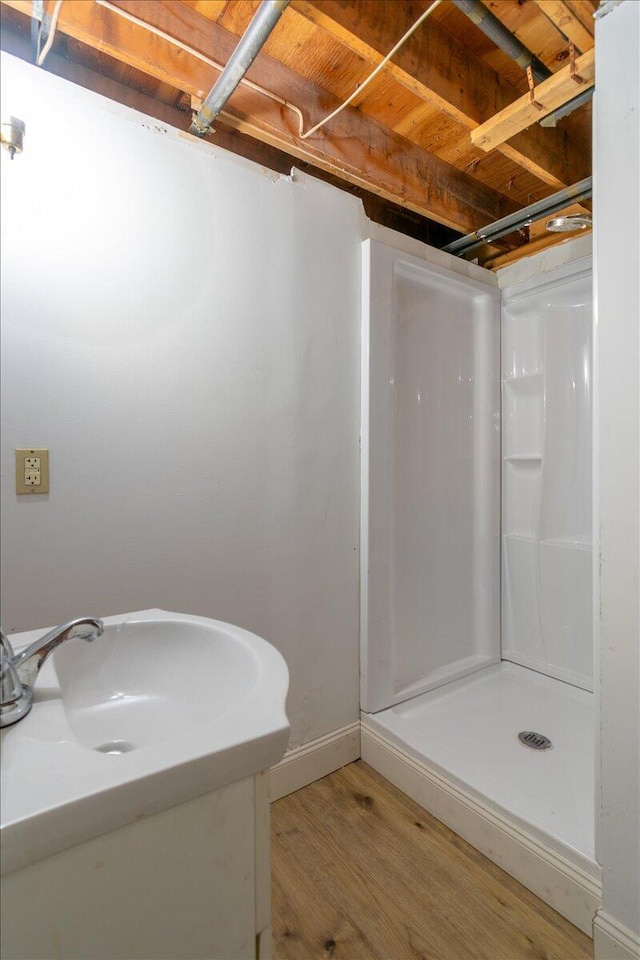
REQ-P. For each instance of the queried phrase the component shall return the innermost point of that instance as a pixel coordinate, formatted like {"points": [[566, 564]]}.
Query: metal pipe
{"points": [[249, 46], [37, 16], [541, 208], [514, 48], [552, 118], [503, 38]]}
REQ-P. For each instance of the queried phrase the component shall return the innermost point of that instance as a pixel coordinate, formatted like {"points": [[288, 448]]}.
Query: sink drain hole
{"points": [[115, 747], [537, 741]]}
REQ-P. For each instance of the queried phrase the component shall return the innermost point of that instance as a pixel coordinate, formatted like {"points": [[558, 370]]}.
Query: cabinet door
{"points": [[177, 884]]}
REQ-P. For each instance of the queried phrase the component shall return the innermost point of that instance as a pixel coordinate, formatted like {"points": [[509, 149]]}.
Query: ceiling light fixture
{"points": [[570, 223]]}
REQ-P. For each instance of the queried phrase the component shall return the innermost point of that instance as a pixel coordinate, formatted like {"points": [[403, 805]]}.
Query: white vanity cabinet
{"points": [[135, 803], [190, 882]]}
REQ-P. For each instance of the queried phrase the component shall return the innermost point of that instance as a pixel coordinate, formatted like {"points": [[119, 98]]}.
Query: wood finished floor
{"points": [[361, 872]]}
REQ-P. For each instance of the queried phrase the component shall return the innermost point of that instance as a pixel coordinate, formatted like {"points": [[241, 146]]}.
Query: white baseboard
{"points": [[315, 760], [563, 885], [612, 940]]}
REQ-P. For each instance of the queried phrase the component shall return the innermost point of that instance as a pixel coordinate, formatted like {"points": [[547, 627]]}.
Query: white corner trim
{"points": [[563, 885], [612, 940], [315, 760]]}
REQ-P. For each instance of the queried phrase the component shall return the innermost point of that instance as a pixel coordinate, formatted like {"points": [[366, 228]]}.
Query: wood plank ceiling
{"points": [[405, 145]]}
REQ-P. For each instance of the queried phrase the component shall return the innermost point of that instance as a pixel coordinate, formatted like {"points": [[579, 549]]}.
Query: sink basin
{"points": [[161, 708], [146, 681]]}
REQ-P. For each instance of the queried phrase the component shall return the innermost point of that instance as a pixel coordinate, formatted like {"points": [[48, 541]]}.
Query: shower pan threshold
{"points": [[455, 750]]}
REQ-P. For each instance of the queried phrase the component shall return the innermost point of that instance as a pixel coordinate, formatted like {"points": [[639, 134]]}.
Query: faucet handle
{"points": [[19, 671], [10, 683]]}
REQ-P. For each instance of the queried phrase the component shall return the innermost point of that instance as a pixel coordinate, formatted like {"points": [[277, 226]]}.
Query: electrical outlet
{"points": [[32, 471]]}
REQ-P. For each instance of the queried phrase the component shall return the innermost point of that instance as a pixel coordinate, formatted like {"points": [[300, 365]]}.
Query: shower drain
{"points": [[537, 741]]}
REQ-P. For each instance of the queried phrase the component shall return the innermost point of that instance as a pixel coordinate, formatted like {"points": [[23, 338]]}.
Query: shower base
{"points": [[455, 750]]}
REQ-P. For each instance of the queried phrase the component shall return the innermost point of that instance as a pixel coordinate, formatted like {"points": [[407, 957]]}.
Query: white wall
{"points": [[181, 329], [617, 254], [547, 606]]}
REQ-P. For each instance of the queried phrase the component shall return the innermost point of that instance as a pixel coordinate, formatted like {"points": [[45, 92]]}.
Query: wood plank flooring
{"points": [[361, 872]]}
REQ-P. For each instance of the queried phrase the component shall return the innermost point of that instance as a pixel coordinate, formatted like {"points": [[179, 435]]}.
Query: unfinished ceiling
{"points": [[445, 140]]}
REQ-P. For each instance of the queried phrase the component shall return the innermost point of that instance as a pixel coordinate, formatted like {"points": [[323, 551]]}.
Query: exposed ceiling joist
{"points": [[176, 113], [502, 259], [544, 99], [441, 71], [354, 147], [585, 11], [568, 23], [209, 8], [405, 142]]}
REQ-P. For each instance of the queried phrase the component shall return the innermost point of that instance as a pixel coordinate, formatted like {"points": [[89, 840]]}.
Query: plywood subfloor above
{"points": [[361, 871]]}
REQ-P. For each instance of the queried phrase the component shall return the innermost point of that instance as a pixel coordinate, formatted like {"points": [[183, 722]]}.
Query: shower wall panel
{"points": [[547, 538], [431, 453]]}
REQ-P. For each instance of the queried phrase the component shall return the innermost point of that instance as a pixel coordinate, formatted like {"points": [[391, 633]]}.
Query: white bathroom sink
{"points": [[147, 681], [160, 709]]}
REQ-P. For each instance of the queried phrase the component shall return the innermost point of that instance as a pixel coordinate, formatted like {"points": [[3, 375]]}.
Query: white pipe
{"points": [[200, 56], [302, 135], [374, 74]]}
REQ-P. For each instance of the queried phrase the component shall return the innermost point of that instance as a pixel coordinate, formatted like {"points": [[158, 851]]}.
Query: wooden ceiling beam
{"points": [[212, 9], [443, 72], [353, 146], [15, 39], [497, 261], [566, 21], [547, 97], [584, 11]]}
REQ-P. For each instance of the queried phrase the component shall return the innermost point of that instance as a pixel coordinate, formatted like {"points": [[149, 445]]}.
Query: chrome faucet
{"points": [[18, 671]]}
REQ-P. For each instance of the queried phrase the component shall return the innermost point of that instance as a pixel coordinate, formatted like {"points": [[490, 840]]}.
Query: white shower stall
{"points": [[476, 577]]}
